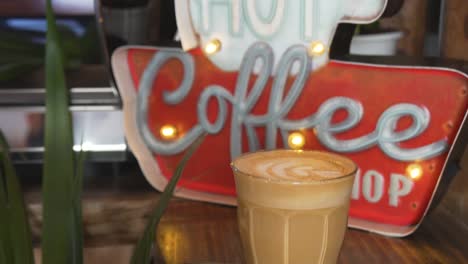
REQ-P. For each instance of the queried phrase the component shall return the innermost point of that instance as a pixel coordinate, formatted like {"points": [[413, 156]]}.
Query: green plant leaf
{"points": [[77, 207], [142, 251], [3, 257], [5, 244], [60, 236], [15, 232]]}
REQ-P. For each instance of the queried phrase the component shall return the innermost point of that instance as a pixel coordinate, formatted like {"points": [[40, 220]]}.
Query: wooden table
{"points": [[200, 233], [194, 232], [116, 208]]}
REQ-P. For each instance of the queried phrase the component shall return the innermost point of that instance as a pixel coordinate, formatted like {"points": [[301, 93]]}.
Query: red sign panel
{"points": [[397, 123]]}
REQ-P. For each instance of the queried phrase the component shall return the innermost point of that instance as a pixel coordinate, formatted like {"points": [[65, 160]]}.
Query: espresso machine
{"points": [[90, 31]]}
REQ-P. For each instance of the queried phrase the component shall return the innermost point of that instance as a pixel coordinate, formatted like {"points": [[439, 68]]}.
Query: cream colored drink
{"points": [[293, 205]]}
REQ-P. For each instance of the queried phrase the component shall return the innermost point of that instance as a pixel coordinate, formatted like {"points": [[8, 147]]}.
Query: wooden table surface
{"points": [[195, 232], [116, 209], [200, 233]]}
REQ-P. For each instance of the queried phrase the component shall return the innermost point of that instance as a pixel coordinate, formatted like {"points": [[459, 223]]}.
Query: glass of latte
{"points": [[293, 205]]}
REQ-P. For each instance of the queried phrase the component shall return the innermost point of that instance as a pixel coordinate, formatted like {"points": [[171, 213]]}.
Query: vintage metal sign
{"points": [[397, 123]]}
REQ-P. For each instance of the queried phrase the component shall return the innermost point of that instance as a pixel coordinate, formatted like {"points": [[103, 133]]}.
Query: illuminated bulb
{"points": [[296, 140], [213, 47], [317, 48], [415, 171], [168, 132]]}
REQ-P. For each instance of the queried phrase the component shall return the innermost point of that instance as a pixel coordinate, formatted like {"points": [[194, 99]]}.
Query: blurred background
{"points": [[91, 30]]}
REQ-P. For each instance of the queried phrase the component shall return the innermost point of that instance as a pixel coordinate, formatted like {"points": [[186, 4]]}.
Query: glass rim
{"points": [[352, 172]]}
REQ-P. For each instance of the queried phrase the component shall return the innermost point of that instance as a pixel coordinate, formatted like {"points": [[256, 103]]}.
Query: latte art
{"points": [[297, 169], [293, 166]]}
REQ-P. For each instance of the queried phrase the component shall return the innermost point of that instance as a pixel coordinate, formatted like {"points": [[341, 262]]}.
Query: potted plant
{"points": [[62, 231]]}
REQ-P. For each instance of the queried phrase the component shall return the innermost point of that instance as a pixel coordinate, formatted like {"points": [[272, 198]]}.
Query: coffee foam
{"points": [[287, 179], [297, 166]]}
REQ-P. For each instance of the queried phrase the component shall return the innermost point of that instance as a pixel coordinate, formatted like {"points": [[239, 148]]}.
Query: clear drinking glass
{"points": [[293, 205]]}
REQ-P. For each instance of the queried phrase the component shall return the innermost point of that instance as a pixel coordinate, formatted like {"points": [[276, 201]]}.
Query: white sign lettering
{"points": [[371, 186], [275, 119], [238, 24], [400, 186]]}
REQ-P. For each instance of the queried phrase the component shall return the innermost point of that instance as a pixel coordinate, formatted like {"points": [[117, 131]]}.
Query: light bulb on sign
{"points": [[168, 132], [212, 47], [317, 48], [296, 140], [414, 171]]}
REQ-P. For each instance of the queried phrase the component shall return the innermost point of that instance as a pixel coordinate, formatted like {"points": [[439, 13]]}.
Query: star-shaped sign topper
{"points": [[225, 29]]}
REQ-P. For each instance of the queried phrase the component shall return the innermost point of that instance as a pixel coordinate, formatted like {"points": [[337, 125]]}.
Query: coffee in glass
{"points": [[293, 205]]}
